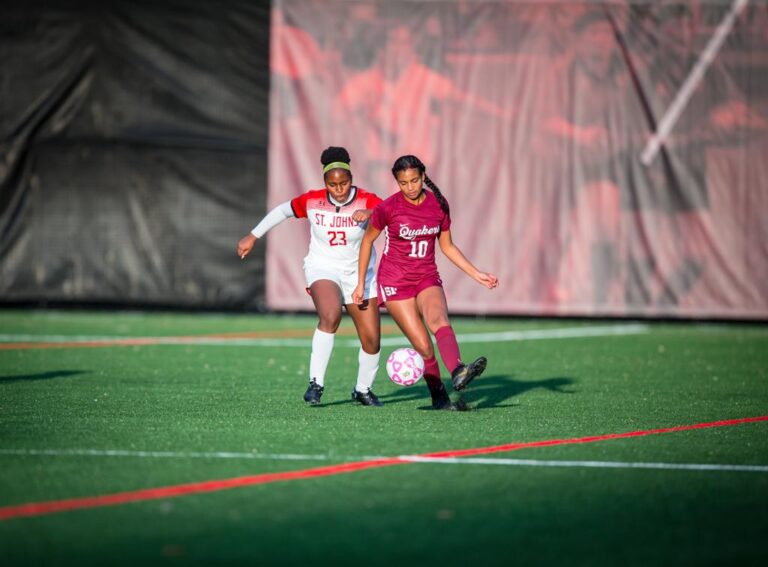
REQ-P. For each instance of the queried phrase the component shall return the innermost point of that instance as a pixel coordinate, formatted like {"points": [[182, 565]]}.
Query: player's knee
{"points": [[436, 323], [424, 348], [329, 322]]}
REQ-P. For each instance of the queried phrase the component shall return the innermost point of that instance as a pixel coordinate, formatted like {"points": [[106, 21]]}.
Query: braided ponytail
{"points": [[412, 162], [438, 194]]}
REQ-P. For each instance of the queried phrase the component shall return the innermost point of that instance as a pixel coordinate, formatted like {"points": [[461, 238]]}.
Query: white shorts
{"points": [[345, 279]]}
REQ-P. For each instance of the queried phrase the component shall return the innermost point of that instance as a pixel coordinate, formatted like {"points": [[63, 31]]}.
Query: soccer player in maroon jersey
{"points": [[337, 215], [413, 220]]}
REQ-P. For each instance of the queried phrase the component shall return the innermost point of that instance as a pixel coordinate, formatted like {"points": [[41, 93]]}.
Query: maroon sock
{"points": [[448, 347], [432, 372]]}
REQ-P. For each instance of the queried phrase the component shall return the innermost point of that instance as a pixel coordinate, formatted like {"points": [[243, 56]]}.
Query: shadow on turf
{"points": [[495, 391], [486, 392], [41, 376]]}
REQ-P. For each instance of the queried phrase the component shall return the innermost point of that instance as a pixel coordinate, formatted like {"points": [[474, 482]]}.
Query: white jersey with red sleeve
{"points": [[334, 238]]}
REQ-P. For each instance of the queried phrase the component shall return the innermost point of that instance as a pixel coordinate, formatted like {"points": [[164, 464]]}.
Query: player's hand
{"points": [[357, 295], [488, 280], [245, 245], [362, 215]]}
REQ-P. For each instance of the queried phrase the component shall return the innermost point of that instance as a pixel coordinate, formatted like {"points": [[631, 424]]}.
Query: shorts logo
{"points": [[389, 290]]}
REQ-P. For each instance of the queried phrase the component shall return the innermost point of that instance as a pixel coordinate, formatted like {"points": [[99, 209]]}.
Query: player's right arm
{"points": [[272, 219], [371, 234], [456, 256]]}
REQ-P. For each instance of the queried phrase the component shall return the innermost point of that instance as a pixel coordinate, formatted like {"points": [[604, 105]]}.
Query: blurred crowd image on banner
{"points": [[533, 117]]}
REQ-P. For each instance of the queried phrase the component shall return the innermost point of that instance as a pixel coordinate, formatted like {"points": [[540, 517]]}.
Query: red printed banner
{"points": [[599, 158]]}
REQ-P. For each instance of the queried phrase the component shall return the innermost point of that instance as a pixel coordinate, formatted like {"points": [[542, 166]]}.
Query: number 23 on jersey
{"points": [[337, 238]]}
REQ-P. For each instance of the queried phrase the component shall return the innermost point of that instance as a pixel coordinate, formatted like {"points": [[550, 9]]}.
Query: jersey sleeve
{"points": [[380, 216], [372, 201], [299, 206], [277, 215], [446, 224]]}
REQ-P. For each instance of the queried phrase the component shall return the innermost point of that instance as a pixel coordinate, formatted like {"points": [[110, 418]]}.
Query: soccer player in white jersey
{"points": [[338, 216]]}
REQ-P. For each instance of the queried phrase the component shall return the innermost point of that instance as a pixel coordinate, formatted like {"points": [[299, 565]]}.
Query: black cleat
{"points": [[459, 404], [441, 400], [366, 398], [463, 374], [313, 393]]}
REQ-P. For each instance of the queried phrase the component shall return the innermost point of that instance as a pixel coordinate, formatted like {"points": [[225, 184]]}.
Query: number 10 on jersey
{"points": [[418, 249]]}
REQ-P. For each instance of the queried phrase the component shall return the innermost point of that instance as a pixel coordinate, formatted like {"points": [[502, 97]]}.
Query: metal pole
{"points": [[670, 117]]}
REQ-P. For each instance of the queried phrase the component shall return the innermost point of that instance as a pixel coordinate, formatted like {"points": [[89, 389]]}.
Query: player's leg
{"points": [[326, 296], [433, 307], [406, 314], [368, 325]]}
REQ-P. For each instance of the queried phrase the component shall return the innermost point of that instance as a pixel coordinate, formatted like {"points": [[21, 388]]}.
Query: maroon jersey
{"points": [[410, 233]]}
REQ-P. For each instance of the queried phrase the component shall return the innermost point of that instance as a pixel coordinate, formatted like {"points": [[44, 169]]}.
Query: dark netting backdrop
{"points": [[133, 152]]}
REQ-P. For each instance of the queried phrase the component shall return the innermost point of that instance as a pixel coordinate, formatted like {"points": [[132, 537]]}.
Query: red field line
{"points": [[145, 341], [607, 437], [80, 344], [53, 506]]}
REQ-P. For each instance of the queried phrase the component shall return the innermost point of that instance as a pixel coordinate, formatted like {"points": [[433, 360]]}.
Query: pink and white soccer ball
{"points": [[405, 366]]}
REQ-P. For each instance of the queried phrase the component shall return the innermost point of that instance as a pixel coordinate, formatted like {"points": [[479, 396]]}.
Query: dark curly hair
{"points": [[334, 153], [412, 162]]}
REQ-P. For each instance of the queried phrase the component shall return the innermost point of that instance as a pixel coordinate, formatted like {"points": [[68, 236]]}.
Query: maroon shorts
{"points": [[406, 291]]}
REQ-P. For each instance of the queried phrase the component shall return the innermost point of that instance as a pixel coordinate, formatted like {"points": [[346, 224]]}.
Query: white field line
{"points": [[502, 336], [408, 458], [164, 454]]}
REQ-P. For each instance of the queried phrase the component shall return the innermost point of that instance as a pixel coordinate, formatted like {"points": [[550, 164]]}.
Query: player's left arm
{"points": [[364, 257], [456, 256], [362, 215]]}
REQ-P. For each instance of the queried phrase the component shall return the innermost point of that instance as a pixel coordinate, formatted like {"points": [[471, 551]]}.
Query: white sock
{"points": [[322, 347], [368, 366]]}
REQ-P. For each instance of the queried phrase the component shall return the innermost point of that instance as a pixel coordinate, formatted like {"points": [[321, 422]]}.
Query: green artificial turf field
{"points": [[82, 417]]}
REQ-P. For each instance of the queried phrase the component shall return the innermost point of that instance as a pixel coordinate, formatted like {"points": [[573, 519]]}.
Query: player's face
{"points": [[338, 182], [410, 182]]}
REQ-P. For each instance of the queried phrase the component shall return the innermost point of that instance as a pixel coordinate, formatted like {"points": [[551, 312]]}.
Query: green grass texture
{"points": [[79, 421]]}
